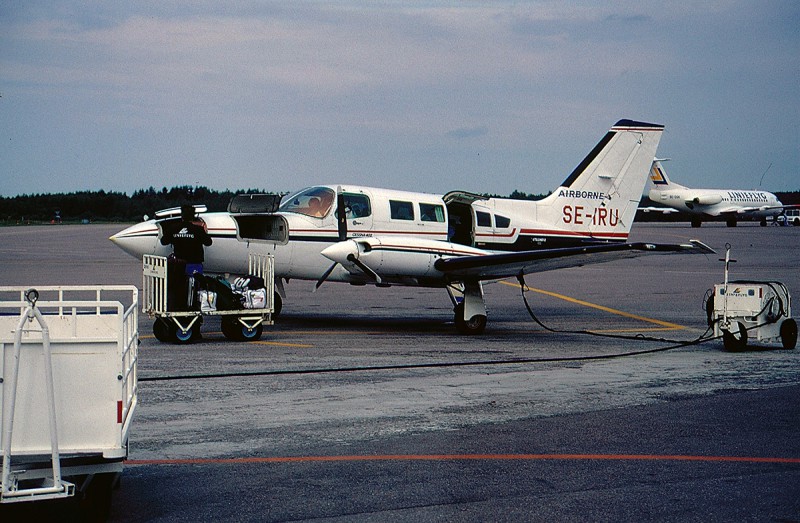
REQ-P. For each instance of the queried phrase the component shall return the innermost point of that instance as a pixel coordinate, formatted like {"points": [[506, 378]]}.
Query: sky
{"points": [[429, 96]]}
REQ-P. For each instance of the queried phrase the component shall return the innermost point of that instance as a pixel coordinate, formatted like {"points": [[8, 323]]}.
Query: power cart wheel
{"points": [[735, 342], [789, 334]]}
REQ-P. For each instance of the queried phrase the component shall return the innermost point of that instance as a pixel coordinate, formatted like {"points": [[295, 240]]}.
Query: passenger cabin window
{"points": [[314, 201], [401, 210], [431, 213], [484, 219], [501, 222], [356, 206]]}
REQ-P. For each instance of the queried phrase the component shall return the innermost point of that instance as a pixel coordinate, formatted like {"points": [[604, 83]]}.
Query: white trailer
{"points": [[68, 390]]}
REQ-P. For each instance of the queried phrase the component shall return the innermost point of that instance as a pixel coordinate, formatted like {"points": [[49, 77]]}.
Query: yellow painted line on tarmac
{"points": [[665, 325], [280, 344]]}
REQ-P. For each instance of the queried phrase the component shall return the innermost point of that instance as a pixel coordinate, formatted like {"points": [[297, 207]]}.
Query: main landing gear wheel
{"points": [[473, 326], [235, 330], [735, 342], [789, 334]]}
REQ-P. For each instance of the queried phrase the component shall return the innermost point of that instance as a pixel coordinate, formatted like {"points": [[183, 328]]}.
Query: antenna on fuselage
{"points": [[765, 173]]}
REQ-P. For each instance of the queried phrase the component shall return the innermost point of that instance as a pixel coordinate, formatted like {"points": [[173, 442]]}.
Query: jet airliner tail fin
{"points": [[658, 177]]}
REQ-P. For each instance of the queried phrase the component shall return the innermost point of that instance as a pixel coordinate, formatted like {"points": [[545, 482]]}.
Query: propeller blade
{"points": [[341, 214], [361, 265], [325, 276]]}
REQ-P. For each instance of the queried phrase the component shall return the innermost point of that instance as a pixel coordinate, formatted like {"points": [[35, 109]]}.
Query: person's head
{"points": [[187, 213]]}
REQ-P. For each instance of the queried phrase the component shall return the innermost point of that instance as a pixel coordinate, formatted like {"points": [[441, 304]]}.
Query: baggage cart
{"points": [[178, 319], [68, 391]]}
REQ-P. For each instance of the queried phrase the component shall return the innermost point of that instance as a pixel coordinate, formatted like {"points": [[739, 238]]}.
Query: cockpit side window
{"points": [[356, 205], [314, 201]]}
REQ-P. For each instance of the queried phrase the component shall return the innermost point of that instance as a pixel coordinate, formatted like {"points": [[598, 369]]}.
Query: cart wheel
{"points": [[253, 334], [161, 330], [231, 328], [182, 338], [789, 334], [735, 342]]}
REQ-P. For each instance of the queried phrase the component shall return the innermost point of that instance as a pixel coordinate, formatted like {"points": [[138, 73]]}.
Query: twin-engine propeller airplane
{"points": [[365, 235], [709, 203]]}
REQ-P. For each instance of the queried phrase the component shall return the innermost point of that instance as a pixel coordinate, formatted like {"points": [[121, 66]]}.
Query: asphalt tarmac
{"points": [[363, 404]]}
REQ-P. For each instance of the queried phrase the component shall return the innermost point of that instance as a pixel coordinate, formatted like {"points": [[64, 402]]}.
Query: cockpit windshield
{"points": [[314, 201]]}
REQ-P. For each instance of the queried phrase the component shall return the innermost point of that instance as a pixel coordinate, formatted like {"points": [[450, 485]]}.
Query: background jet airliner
{"points": [[365, 235], [707, 203]]}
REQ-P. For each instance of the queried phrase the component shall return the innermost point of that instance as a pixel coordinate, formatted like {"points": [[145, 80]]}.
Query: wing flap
{"points": [[505, 265]]}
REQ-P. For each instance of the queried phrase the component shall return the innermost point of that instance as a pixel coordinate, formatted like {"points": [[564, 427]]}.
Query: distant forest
{"points": [[101, 206]]}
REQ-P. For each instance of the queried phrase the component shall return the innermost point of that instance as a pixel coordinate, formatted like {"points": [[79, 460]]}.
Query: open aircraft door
{"points": [[461, 216]]}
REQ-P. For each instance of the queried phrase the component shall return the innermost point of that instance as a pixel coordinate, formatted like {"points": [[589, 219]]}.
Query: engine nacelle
{"points": [[705, 199]]}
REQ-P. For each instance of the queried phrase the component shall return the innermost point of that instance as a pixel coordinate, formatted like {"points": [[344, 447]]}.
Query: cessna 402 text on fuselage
{"points": [[364, 235]]}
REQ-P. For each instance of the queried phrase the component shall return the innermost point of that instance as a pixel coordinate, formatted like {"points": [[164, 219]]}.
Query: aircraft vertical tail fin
{"points": [[598, 200], [658, 177]]}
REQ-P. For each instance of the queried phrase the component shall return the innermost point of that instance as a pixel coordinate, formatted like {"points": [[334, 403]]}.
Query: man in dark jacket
{"points": [[187, 240]]}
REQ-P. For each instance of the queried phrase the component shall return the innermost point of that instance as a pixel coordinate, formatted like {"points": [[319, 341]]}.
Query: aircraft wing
{"points": [[745, 210], [505, 265]]}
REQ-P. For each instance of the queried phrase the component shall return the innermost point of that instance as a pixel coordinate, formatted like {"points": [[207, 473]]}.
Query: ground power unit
{"points": [[745, 311]]}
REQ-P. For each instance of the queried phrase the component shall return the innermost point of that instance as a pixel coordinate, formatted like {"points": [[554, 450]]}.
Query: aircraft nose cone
{"points": [[137, 239], [338, 252]]}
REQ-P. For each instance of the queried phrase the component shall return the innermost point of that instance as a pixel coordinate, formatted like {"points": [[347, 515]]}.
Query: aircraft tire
{"points": [[789, 334], [277, 305], [734, 343], [474, 326]]}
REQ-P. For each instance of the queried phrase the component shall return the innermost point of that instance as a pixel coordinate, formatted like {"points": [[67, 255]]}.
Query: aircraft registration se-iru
{"points": [[708, 203], [365, 235]]}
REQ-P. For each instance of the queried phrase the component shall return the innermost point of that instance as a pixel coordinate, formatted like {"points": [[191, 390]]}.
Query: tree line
{"points": [[102, 206]]}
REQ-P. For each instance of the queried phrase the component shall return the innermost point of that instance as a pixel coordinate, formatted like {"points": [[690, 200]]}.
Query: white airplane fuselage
{"points": [[714, 202], [401, 248]]}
